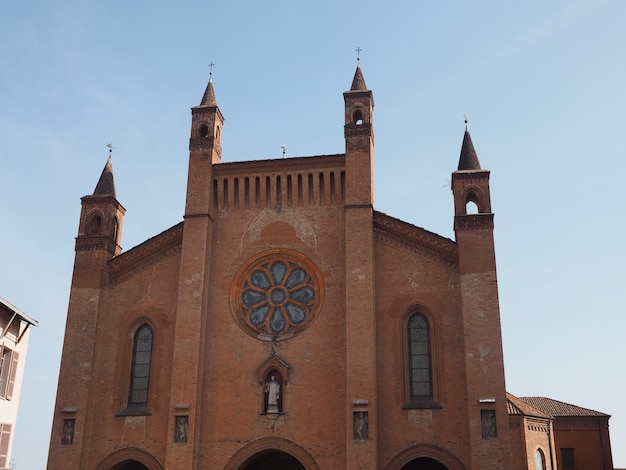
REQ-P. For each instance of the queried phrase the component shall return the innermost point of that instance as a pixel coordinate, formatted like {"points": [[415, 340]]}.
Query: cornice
{"points": [[148, 252], [204, 144], [407, 235], [470, 174], [100, 242], [280, 165], [473, 222], [579, 422], [361, 130]]}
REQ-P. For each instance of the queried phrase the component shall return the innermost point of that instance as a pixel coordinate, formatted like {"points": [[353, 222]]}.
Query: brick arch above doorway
{"points": [[444, 457], [256, 448], [129, 455]]}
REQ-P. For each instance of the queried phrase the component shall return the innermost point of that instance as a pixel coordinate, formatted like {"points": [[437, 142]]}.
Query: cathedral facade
{"points": [[285, 323]]}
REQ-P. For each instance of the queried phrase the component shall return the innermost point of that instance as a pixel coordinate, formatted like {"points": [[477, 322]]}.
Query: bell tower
{"points": [[99, 235], [361, 389], [484, 363], [101, 217], [359, 135], [205, 150]]}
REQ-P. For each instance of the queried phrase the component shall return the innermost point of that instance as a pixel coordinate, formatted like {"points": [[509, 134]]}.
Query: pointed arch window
{"points": [[140, 371], [115, 230], [94, 224], [420, 359]]}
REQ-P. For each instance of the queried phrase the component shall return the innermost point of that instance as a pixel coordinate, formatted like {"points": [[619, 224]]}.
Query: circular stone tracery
{"points": [[276, 295]]}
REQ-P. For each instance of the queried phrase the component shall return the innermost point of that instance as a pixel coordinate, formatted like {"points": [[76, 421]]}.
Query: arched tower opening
{"points": [[94, 224], [357, 117]]}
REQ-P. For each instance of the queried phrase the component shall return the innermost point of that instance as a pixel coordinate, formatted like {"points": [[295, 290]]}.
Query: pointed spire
{"points": [[209, 95], [106, 184], [358, 82], [468, 159]]}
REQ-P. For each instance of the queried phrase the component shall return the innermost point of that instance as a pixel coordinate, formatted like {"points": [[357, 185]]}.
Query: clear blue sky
{"points": [[543, 85]]}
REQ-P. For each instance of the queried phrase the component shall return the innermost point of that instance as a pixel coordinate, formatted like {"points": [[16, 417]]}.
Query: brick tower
{"points": [[484, 363], [99, 235], [360, 299]]}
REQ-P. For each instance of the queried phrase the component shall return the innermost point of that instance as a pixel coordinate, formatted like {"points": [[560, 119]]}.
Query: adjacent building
{"points": [[14, 333]]}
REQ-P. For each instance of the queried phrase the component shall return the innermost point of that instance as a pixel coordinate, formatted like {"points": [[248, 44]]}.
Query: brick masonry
{"points": [[350, 361]]}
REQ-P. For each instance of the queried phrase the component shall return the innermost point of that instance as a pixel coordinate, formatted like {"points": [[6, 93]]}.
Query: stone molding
{"points": [[473, 222], [99, 242], [577, 423], [470, 175]]}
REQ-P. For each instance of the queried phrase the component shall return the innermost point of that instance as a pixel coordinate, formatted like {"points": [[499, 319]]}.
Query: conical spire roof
{"points": [[358, 82], [106, 184], [209, 95], [468, 159]]}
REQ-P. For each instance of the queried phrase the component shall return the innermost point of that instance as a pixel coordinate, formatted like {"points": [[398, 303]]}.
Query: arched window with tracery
{"points": [[140, 370], [420, 358]]}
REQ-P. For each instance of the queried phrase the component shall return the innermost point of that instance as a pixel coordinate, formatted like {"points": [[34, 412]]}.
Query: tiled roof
{"points": [[557, 408], [516, 406]]}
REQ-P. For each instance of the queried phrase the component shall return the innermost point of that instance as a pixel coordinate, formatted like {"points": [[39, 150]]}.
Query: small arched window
{"points": [[203, 130], [471, 208], [115, 230], [472, 203], [140, 371], [357, 117], [420, 360], [95, 222], [540, 461]]}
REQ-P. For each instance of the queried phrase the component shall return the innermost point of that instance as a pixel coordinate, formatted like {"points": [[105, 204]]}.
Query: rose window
{"points": [[276, 295]]}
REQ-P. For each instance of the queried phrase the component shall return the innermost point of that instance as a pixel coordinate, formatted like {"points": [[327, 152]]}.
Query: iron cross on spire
{"points": [[358, 54], [211, 69]]}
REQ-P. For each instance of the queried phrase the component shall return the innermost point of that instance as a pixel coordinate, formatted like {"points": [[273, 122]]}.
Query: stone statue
{"points": [[272, 390], [67, 435], [361, 431], [180, 433]]}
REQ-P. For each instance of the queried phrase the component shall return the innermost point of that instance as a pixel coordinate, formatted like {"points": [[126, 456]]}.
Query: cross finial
{"points": [[110, 147], [211, 69], [465, 118], [358, 54]]}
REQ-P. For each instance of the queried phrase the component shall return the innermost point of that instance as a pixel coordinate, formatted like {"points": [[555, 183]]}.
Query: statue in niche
{"points": [[272, 395], [67, 434], [361, 431], [488, 424], [180, 431]]}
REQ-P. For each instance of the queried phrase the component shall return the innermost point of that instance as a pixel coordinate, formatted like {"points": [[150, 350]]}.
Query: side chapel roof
{"points": [[560, 409]]}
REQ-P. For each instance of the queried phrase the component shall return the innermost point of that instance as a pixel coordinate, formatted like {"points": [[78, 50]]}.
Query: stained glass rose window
{"points": [[276, 295]]}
